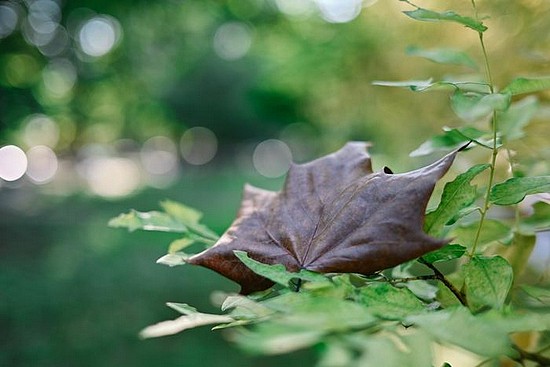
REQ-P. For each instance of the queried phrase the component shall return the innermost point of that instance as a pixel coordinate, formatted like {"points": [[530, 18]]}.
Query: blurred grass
{"points": [[76, 293]]}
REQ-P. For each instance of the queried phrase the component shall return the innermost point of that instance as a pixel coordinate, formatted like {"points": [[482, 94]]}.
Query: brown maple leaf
{"points": [[333, 215]]}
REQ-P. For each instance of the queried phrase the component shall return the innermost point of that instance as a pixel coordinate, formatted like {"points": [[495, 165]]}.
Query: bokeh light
{"points": [[159, 155], [198, 145], [41, 130], [59, 78], [42, 164], [232, 40], [112, 177], [339, 11], [295, 8], [99, 35], [272, 158], [9, 18], [13, 163]]}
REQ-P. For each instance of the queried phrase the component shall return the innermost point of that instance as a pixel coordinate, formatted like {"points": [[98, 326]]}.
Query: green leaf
{"points": [[446, 253], [182, 212], [448, 16], [513, 321], [190, 218], [391, 350], [527, 85], [492, 231], [278, 273], [180, 244], [449, 140], [488, 281], [459, 327], [389, 302], [540, 294], [443, 56], [515, 189], [512, 121], [149, 221], [470, 106], [457, 195], [303, 320]]}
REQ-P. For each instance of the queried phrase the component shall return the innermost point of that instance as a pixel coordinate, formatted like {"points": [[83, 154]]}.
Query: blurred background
{"points": [[112, 105]]}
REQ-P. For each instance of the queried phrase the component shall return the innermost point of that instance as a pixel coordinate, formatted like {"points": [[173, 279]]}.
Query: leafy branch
{"points": [[303, 255]]}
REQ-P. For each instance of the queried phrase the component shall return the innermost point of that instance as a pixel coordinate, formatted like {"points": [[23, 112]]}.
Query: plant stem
{"points": [[439, 276], [411, 279], [494, 154]]}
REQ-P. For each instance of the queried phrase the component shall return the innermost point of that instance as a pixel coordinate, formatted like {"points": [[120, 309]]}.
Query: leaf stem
{"points": [[439, 276], [494, 154], [411, 279]]}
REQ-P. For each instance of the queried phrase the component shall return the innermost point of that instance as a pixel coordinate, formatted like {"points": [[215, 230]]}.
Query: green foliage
{"points": [[457, 195], [394, 317], [447, 16], [515, 189], [527, 85], [443, 56], [278, 273], [488, 281], [471, 106]]}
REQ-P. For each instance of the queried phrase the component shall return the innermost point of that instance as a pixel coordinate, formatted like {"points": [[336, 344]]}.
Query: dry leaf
{"points": [[333, 215]]}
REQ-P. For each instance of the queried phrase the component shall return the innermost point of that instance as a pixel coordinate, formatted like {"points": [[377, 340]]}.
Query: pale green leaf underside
{"points": [[182, 323], [443, 56], [471, 106], [515, 189], [414, 85], [446, 16], [459, 327], [148, 221], [512, 121], [173, 259]]}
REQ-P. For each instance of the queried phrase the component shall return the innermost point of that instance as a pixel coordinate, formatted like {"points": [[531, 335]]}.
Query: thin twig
{"points": [[410, 279], [439, 276]]}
